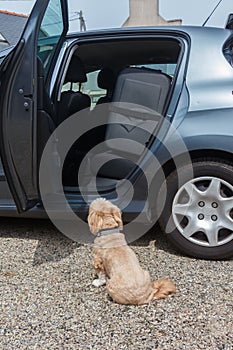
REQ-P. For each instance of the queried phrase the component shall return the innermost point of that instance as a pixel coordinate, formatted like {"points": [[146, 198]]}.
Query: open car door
{"points": [[42, 39]]}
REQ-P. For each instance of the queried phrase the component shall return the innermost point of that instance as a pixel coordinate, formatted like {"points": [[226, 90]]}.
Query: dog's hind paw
{"points": [[98, 282]]}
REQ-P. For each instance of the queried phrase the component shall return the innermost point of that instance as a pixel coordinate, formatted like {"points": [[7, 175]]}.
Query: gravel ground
{"points": [[48, 302]]}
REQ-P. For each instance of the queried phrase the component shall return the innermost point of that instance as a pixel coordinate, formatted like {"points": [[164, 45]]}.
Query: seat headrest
{"points": [[76, 71], [106, 79]]}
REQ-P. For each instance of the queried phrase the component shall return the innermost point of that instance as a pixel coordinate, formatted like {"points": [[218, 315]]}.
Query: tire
{"points": [[198, 211]]}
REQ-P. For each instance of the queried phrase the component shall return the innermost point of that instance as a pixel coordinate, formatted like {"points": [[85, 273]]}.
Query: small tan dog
{"points": [[115, 262]]}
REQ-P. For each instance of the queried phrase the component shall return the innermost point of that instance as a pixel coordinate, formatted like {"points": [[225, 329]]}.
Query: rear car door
{"points": [[41, 40]]}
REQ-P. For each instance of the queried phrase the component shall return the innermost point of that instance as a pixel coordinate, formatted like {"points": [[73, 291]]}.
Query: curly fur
{"points": [[117, 265]]}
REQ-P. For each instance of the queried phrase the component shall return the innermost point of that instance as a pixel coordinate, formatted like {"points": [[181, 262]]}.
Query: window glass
{"points": [[49, 34], [228, 53], [167, 68], [90, 88]]}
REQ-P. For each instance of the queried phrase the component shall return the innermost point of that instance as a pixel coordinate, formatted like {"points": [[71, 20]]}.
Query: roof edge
{"points": [[13, 13]]}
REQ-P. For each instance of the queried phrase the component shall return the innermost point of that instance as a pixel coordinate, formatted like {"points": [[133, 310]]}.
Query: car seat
{"points": [[106, 80], [138, 104], [73, 101]]}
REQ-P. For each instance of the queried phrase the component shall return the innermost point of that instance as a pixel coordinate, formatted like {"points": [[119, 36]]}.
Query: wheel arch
{"points": [[195, 155], [199, 154]]}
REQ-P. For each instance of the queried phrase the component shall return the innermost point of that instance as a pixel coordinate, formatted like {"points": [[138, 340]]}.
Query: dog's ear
{"points": [[95, 221], [117, 217]]}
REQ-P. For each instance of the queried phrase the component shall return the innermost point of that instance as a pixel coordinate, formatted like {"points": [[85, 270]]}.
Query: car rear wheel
{"points": [[198, 211]]}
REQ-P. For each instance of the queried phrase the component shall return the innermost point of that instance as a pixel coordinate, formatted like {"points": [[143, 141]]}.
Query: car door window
{"points": [[167, 68], [50, 32], [92, 89]]}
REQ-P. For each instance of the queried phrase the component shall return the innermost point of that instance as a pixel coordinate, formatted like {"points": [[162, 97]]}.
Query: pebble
{"points": [[48, 301]]}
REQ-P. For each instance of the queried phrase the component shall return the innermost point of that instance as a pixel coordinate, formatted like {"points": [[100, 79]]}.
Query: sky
{"points": [[106, 13]]}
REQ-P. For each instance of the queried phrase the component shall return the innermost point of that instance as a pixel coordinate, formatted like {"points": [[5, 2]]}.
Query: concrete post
{"points": [[146, 13]]}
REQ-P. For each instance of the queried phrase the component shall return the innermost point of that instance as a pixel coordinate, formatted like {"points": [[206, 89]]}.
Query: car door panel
{"points": [[18, 106]]}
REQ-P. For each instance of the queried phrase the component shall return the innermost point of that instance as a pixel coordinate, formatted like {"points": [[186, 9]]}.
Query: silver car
{"points": [[159, 101]]}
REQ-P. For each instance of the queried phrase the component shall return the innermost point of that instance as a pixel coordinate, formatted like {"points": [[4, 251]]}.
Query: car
{"points": [[140, 116]]}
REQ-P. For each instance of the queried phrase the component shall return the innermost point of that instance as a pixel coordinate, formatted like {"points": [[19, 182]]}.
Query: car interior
{"points": [[130, 82]]}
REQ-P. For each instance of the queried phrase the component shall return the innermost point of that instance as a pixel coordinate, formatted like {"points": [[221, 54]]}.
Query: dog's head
{"points": [[103, 214]]}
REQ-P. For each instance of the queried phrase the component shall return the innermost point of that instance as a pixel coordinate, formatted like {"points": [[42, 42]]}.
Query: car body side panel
{"points": [[209, 75], [199, 131], [211, 129]]}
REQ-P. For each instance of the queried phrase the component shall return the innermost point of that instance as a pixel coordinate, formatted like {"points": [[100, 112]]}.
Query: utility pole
{"points": [[79, 15], [82, 21]]}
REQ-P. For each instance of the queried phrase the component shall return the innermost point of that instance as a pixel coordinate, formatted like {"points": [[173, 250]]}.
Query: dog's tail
{"points": [[163, 287]]}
